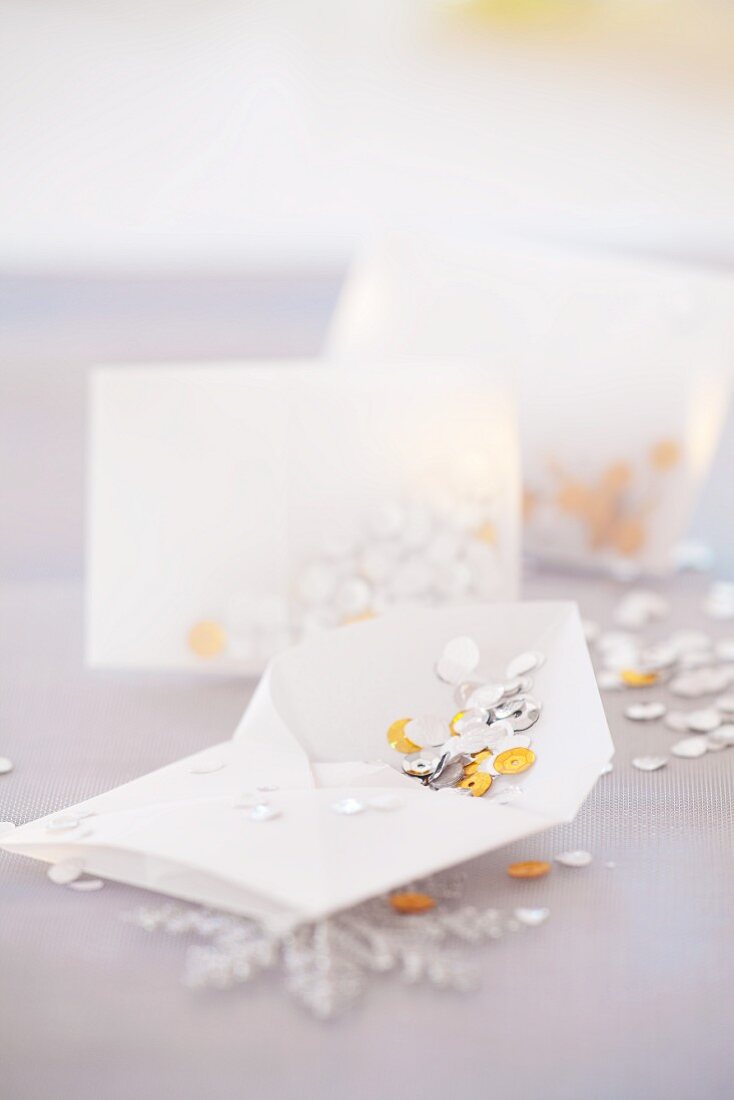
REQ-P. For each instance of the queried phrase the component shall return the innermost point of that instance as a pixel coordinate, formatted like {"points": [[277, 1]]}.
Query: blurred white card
{"points": [[314, 736], [623, 375], [233, 508]]}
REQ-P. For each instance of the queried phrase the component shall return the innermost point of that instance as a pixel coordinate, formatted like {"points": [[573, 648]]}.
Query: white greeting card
{"points": [[309, 810], [235, 508], [622, 370]]}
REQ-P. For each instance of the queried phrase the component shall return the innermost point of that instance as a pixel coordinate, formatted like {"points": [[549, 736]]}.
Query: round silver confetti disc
{"points": [[5, 765], [649, 763], [576, 858], [419, 768], [689, 747], [65, 871], [522, 713], [645, 712]]}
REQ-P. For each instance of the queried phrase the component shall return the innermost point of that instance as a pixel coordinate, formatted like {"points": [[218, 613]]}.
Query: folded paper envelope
{"points": [[313, 735]]}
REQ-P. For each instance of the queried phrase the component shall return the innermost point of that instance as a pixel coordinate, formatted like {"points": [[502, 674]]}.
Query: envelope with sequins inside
{"points": [[369, 757]]}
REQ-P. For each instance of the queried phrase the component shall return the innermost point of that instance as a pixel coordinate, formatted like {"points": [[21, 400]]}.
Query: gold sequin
{"points": [[206, 638], [470, 769], [665, 454], [363, 618], [478, 784], [412, 902], [513, 761], [529, 868], [628, 536], [397, 739], [633, 678], [486, 534]]}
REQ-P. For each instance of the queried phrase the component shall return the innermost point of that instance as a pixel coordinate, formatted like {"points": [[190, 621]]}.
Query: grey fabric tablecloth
{"points": [[625, 993]]}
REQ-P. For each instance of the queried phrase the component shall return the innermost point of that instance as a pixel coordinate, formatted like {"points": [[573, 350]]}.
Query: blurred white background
{"points": [[189, 179], [147, 133]]}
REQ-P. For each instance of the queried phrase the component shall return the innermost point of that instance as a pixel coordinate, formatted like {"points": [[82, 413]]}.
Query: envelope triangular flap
{"points": [[339, 692]]}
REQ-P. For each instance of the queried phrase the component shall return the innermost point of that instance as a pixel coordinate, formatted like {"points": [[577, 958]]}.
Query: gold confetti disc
{"points": [[411, 902], [470, 769], [396, 738], [512, 761], [363, 618], [665, 454], [206, 638], [478, 784], [628, 536], [486, 534], [633, 678], [459, 714], [529, 868]]}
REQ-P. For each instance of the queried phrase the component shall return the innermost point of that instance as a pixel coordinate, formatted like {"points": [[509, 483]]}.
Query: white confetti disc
{"points": [[703, 721], [524, 663], [576, 858], [649, 763], [263, 812], [486, 695], [607, 680], [532, 917], [689, 747], [5, 765], [206, 765], [724, 649], [62, 823], [385, 802], [348, 806], [459, 658], [86, 885], [676, 720], [429, 731], [725, 704], [645, 712], [316, 584], [723, 736], [65, 871]]}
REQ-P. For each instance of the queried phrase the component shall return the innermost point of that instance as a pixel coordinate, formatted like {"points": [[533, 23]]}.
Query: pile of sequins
{"points": [[688, 664], [486, 738], [406, 553], [416, 935]]}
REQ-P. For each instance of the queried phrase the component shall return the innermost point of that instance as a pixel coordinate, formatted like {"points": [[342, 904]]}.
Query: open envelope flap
{"points": [[300, 866], [338, 693]]}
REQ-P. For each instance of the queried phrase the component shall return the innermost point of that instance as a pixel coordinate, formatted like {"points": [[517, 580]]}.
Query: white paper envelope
{"points": [[623, 372], [314, 735], [233, 508]]}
